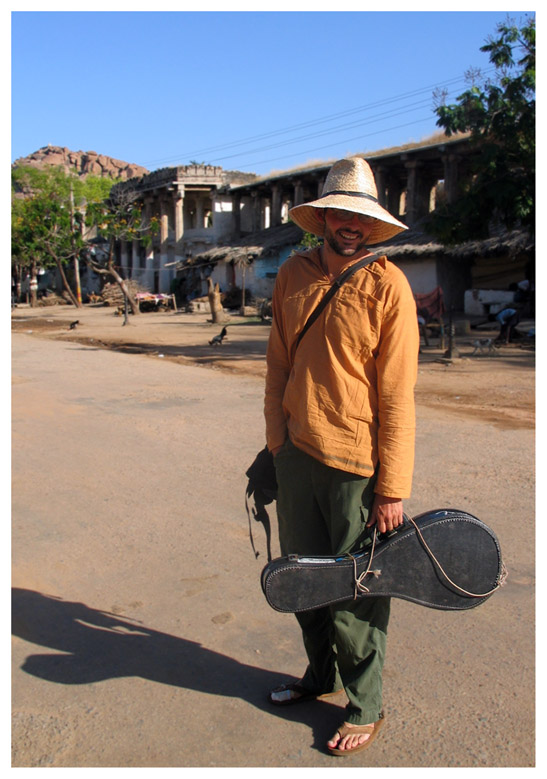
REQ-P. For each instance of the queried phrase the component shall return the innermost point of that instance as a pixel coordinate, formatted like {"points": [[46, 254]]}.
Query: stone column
{"points": [[255, 211], [380, 178], [179, 223], [148, 273], [179, 218], [450, 163], [165, 273], [393, 195], [199, 212], [236, 215], [417, 202], [135, 267], [298, 193], [275, 214]]}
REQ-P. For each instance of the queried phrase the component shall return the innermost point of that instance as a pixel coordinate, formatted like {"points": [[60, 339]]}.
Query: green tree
{"points": [[309, 241], [45, 229], [500, 115], [118, 218]]}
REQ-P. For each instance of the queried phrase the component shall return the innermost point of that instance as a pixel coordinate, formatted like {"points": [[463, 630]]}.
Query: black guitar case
{"points": [[444, 559]]}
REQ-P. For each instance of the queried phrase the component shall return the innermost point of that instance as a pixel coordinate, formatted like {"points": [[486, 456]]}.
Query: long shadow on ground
{"points": [[102, 646]]}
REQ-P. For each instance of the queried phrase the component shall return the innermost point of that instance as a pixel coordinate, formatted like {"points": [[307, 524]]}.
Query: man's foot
{"points": [[293, 692], [353, 738]]}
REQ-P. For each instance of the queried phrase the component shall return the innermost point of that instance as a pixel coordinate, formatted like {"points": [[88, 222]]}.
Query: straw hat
{"points": [[349, 185]]}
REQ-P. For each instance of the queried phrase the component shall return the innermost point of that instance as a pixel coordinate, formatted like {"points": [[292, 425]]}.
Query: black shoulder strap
{"points": [[336, 284]]}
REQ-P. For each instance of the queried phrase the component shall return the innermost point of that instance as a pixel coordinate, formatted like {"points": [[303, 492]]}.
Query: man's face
{"points": [[346, 232]]}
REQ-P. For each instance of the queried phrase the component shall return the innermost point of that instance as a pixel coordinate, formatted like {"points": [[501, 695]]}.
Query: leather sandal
{"points": [[355, 730], [293, 692]]}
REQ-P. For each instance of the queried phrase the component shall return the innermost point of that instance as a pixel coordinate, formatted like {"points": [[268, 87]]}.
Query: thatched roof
{"points": [[265, 243], [412, 244]]}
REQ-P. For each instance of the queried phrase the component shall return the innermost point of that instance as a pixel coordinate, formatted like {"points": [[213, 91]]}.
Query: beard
{"points": [[338, 246]]}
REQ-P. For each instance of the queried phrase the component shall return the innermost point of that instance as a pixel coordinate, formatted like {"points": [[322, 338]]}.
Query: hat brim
{"points": [[307, 217]]}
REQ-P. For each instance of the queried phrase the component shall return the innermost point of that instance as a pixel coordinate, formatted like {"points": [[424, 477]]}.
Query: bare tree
{"points": [[119, 218]]}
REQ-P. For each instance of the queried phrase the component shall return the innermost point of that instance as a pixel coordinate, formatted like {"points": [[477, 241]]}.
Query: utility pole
{"points": [[452, 351], [76, 260]]}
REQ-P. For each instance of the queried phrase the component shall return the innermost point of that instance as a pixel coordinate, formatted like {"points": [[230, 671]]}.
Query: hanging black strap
{"points": [[336, 284]]}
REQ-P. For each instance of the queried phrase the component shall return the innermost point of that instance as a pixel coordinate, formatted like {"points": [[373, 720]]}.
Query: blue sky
{"points": [[252, 91]]}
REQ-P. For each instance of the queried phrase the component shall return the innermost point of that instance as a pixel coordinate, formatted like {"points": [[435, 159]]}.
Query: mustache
{"points": [[350, 232]]}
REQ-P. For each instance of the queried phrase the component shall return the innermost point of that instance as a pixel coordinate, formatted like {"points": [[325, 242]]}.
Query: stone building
{"points": [[194, 208], [235, 227]]}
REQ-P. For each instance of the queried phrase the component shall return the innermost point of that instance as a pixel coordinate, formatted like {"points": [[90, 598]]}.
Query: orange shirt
{"points": [[346, 395]]}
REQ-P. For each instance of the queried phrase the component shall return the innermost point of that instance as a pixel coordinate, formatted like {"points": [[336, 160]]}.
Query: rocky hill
{"points": [[84, 163]]}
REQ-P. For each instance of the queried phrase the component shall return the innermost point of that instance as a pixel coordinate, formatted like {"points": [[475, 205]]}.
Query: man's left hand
{"points": [[386, 514]]}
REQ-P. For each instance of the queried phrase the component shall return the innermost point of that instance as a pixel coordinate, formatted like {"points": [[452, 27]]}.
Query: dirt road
{"points": [[141, 636]]}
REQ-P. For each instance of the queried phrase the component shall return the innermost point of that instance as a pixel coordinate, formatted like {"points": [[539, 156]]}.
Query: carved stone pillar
{"points": [[380, 178], [298, 193], [255, 211], [199, 213], [450, 163], [165, 273], [147, 276], [275, 215], [236, 215], [135, 265], [418, 192], [394, 190], [179, 215], [179, 223]]}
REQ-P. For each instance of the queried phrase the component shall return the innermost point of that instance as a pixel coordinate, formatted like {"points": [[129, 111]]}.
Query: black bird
{"points": [[73, 325], [217, 339]]}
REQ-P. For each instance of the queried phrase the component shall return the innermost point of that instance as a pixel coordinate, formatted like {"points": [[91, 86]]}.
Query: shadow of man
{"points": [[98, 645]]}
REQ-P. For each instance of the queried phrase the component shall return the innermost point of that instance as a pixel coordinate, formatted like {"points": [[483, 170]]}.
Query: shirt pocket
{"points": [[297, 309], [354, 322]]}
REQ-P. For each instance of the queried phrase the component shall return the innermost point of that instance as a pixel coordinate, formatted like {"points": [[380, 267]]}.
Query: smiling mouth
{"points": [[348, 236]]}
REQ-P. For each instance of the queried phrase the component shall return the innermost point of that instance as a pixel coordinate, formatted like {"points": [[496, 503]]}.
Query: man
{"points": [[340, 423], [508, 319]]}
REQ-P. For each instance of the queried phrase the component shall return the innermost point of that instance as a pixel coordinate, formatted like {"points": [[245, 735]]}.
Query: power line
{"points": [[314, 122], [328, 145], [369, 120], [302, 125]]}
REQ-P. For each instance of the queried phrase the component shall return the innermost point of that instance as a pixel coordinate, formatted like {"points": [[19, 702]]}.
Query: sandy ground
{"points": [[140, 633]]}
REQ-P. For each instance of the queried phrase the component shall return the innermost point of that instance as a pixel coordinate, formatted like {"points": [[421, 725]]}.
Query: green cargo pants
{"points": [[323, 511]]}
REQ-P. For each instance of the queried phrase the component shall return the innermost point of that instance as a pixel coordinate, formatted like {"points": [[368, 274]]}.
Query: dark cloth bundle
{"points": [[262, 488]]}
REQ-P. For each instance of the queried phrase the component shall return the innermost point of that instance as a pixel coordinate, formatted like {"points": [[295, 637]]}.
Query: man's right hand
{"points": [[386, 513], [276, 450]]}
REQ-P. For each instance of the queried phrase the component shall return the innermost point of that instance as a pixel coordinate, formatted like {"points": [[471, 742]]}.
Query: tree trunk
{"points": [[121, 282], [33, 285], [113, 273], [213, 293], [66, 285], [18, 275]]}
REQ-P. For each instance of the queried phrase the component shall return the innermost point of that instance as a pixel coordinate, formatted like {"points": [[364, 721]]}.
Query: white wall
{"points": [[222, 217], [421, 274], [474, 300]]}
